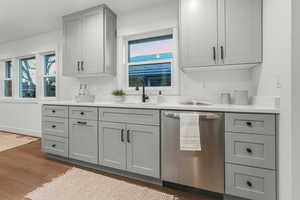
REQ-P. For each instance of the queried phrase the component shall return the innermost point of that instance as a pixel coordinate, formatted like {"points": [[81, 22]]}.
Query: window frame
{"points": [[20, 77], [42, 76], [174, 88], [7, 79]]}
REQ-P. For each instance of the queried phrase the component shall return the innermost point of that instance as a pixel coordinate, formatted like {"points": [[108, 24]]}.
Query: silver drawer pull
{"points": [[249, 184], [249, 124], [128, 136], [82, 123], [122, 135], [249, 150]]}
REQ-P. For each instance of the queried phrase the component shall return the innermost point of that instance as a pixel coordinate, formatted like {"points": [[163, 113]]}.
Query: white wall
{"points": [[295, 98], [24, 117], [277, 67]]}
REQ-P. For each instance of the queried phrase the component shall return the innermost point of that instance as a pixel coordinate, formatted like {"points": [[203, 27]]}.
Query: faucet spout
{"points": [[144, 96]]}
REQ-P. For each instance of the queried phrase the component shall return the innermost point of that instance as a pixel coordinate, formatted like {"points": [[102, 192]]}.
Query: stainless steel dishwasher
{"points": [[203, 169]]}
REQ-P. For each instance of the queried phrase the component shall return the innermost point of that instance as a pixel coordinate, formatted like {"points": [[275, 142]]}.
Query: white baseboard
{"points": [[29, 132]]}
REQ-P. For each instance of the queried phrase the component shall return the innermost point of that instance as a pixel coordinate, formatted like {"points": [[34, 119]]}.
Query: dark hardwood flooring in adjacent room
{"points": [[25, 168]]}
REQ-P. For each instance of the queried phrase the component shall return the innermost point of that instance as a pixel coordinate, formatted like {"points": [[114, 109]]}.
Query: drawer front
{"points": [[85, 113], [250, 123], [251, 150], [250, 183], [55, 126], [55, 111], [133, 116], [55, 145]]}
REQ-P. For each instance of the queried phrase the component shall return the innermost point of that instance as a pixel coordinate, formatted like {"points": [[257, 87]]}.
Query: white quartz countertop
{"points": [[173, 106]]}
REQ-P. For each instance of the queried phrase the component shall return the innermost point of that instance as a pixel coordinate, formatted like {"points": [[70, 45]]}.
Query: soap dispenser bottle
{"points": [[160, 97]]}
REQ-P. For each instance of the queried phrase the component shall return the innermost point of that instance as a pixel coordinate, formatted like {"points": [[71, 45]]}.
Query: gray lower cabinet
{"points": [[55, 132], [250, 160], [129, 139], [143, 150], [251, 150], [83, 140], [112, 145], [55, 145], [250, 183]]}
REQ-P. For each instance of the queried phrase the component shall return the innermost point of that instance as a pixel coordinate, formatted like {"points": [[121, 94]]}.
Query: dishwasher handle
{"points": [[210, 116]]}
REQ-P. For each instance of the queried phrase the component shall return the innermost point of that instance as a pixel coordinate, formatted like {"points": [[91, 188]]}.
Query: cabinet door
{"points": [[83, 140], [198, 32], [241, 36], [92, 46], [143, 150], [72, 49], [112, 145]]}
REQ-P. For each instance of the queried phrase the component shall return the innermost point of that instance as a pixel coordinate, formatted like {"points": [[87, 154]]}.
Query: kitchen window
{"points": [[28, 73], [8, 79], [49, 75], [150, 58]]}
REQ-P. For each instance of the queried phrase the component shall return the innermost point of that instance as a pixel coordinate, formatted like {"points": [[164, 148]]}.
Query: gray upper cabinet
{"points": [[143, 150], [89, 45], [241, 37], [83, 140], [220, 32], [199, 42], [112, 145]]}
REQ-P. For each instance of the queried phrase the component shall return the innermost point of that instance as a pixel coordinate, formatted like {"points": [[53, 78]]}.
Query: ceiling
{"points": [[24, 18]]}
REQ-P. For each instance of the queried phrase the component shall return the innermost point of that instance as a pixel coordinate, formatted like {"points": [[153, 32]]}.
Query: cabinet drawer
{"points": [[251, 150], [83, 113], [55, 145], [250, 183], [55, 111], [55, 126], [133, 116], [250, 123]]}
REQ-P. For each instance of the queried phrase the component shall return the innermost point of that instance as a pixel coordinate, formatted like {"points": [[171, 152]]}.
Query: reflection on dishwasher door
{"points": [[199, 169]]}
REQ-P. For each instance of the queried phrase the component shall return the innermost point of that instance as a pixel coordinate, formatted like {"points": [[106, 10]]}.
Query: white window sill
{"points": [[19, 101], [24, 100]]}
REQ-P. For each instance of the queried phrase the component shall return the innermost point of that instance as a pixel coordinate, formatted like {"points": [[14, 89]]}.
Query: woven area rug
{"points": [[77, 184], [10, 140]]}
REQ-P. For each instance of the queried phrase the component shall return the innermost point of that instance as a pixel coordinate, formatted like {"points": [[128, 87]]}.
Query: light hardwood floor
{"points": [[25, 168]]}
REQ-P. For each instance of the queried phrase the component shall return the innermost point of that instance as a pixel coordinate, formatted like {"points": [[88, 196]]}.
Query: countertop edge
{"points": [[165, 106]]}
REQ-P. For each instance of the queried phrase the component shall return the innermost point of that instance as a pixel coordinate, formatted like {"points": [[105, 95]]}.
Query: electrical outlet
{"points": [[278, 82]]}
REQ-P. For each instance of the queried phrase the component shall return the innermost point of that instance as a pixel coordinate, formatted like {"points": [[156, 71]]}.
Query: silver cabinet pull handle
{"points": [[78, 66], [249, 184], [128, 136], [122, 135], [222, 52], [214, 54], [82, 68], [249, 150], [82, 123]]}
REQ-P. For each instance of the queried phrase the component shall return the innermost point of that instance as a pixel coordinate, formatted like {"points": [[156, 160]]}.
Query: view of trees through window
{"points": [[28, 77], [50, 69], [150, 60]]}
